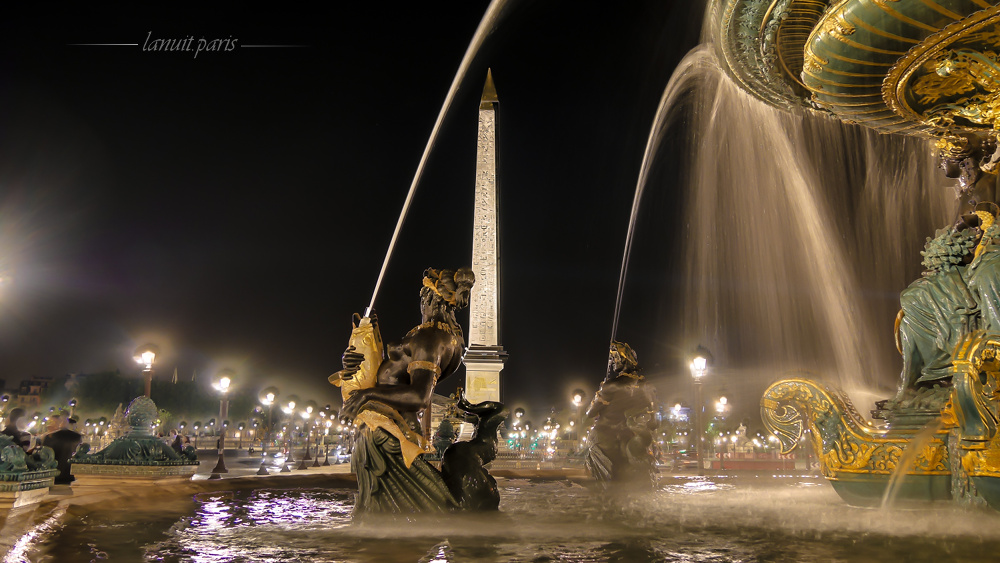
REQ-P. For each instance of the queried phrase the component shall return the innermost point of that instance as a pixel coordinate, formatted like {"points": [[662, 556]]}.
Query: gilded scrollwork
{"points": [[846, 444], [838, 26], [812, 62], [961, 85]]}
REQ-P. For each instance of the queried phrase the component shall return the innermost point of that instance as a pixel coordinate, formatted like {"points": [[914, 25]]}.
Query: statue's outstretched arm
{"points": [[413, 397], [598, 404]]}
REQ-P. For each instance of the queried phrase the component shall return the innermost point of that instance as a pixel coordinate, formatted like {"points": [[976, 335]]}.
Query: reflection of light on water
{"points": [[697, 486], [19, 551], [440, 553], [261, 525], [714, 519]]}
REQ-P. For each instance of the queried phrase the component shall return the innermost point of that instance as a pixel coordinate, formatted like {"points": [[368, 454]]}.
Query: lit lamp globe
{"points": [[268, 396], [144, 355], [699, 366]]}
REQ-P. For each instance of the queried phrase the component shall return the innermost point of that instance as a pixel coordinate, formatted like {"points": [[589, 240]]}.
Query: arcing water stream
{"points": [[486, 26]]}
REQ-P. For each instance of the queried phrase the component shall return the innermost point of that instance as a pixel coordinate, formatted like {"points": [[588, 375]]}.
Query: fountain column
{"points": [[485, 358]]}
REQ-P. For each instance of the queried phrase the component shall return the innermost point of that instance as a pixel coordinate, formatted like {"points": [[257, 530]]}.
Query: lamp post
{"points": [[222, 385], [241, 427], [307, 426], [326, 441], [699, 366], [145, 355], [289, 409], [306, 415], [316, 426], [284, 465], [267, 398], [574, 424]]}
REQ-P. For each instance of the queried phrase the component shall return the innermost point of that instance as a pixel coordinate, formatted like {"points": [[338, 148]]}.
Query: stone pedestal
{"points": [[20, 489], [482, 373], [95, 474]]}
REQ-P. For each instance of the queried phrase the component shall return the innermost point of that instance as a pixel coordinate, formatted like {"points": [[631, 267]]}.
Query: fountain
{"points": [[924, 71], [942, 436], [137, 456], [24, 478]]}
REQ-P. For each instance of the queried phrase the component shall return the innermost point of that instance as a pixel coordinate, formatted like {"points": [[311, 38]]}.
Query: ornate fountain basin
{"points": [[916, 68], [857, 458]]}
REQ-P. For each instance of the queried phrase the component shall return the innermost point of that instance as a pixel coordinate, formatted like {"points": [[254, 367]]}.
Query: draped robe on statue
{"points": [[938, 310]]}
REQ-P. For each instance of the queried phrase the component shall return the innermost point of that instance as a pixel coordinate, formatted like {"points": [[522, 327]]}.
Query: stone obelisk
{"points": [[485, 357]]}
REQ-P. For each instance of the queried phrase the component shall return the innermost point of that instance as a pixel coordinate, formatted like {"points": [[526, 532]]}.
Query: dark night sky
{"points": [[235, 208]]}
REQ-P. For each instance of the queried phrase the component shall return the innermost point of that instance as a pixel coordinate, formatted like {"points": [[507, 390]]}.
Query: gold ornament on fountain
{"points": [[987, 212], [367, 340]]}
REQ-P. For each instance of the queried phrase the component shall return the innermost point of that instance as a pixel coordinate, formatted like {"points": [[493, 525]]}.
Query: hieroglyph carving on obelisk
{"points": [[485, 357]]}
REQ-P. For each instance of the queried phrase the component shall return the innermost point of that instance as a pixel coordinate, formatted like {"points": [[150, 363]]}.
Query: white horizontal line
{"points": [[104, 44], [273, 45]]}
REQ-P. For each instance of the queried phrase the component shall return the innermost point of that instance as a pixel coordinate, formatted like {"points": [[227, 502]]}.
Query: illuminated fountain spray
{"points": [[799, 230]]}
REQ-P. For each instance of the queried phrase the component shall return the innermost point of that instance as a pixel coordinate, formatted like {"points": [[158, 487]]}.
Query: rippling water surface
{"points": [[688, 519]]}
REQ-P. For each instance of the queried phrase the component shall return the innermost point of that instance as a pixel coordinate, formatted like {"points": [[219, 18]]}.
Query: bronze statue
{"points": [[393, 475], [463, 463], [937, 310], [957, 295], [621, 437]]}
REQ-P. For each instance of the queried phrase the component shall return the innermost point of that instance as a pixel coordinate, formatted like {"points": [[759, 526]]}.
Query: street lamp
{"points": [[268, 396], [224, 379], [699, 366], [145, 355], [326, 441], [317, 424], [518, 414], [289, 409], [577, 403], [306, 415]]}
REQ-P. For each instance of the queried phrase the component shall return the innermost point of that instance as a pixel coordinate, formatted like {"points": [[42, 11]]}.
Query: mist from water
{"points": [[799, 232]]}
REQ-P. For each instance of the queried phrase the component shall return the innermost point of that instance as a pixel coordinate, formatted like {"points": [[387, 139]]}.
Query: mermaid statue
{"points": [[621, 437], [388, 394]]}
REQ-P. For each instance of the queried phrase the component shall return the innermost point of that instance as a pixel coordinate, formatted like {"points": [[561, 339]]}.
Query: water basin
{"points": [[709, 519]]}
